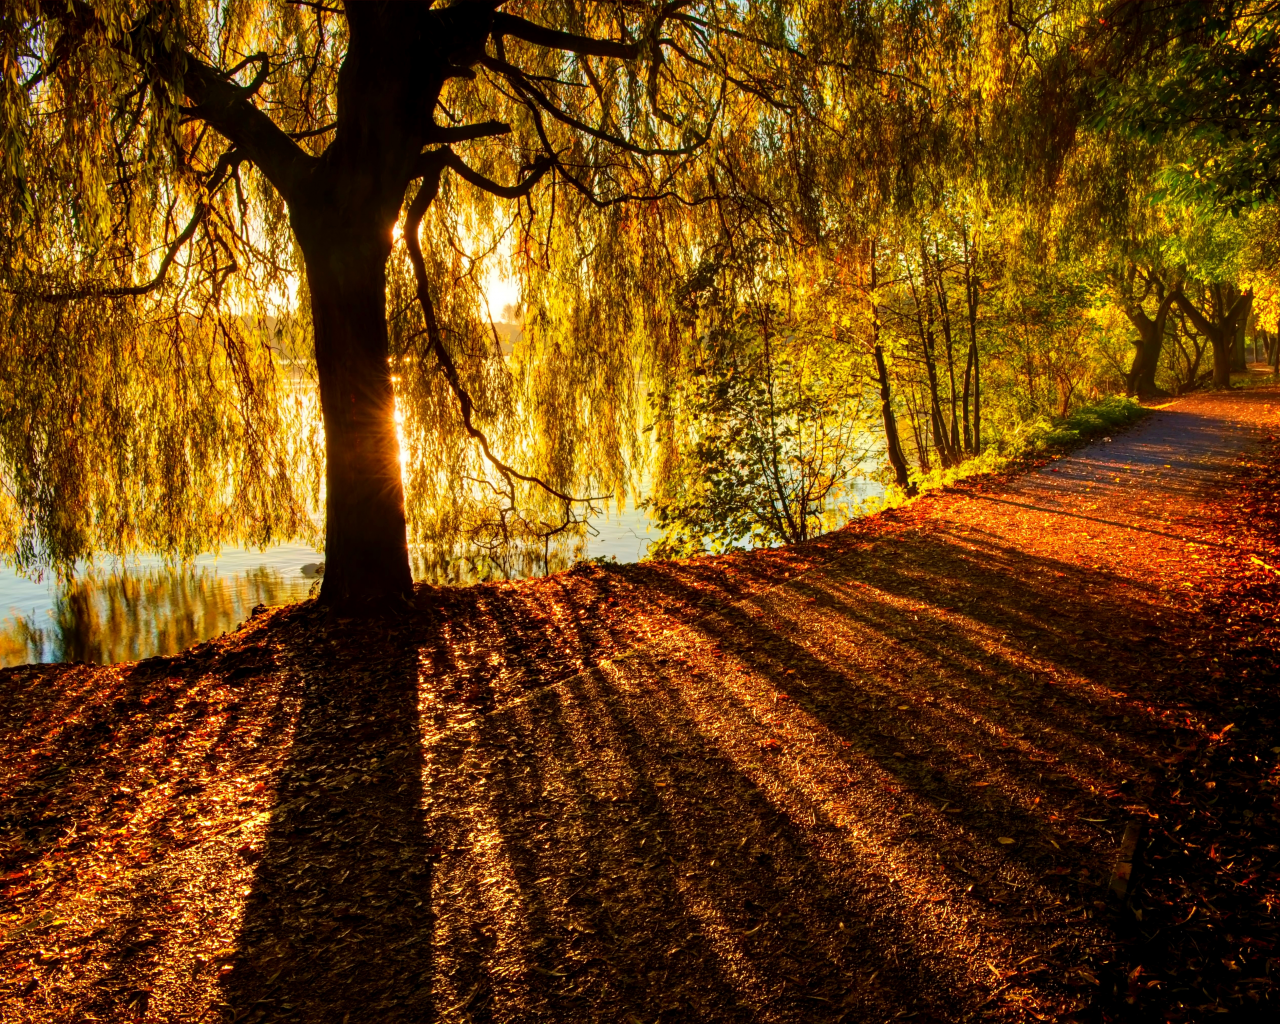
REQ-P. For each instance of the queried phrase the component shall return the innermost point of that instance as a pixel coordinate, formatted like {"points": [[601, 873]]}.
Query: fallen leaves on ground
{"points": [[886, 773]]}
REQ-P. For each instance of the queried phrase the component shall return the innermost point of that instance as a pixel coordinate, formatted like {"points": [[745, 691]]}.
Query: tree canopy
{"points": [[247, 252]]}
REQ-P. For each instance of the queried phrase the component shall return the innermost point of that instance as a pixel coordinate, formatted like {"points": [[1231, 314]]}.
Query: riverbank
{"points": [[890, 772]]}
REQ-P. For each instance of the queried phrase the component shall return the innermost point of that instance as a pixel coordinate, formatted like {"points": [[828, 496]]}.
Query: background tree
{"points": [[773, 417]]}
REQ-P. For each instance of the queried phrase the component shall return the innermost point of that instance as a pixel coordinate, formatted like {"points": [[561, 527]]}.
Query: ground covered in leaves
{"points": [[888, 775]]}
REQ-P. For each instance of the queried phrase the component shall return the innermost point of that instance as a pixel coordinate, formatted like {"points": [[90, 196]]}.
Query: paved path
{"points": [[1144, 490]]}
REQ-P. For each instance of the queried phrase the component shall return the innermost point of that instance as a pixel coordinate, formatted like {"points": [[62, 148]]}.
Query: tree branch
{"points": [[1198, 320], [521, 82], [510, 25], [413, 221], [264, 68], [466, 132], [1239, 311], [227, 109], [138, 289], [540, 167]]}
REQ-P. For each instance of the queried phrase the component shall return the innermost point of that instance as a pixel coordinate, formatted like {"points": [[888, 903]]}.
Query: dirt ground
{"points": [[888, 775]]}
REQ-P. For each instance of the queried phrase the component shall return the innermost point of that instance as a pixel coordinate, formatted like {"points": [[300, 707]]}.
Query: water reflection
{"points": [[152, 609], [138, 613]]}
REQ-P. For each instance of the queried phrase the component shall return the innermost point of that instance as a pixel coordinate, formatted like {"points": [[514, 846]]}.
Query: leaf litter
{"points": [[883, 775]]}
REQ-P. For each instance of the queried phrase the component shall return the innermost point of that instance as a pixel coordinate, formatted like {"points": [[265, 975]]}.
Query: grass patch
{"points": [[1084, 424]]}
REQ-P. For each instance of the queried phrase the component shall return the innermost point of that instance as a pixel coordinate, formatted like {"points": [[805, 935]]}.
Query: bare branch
{"points": [[264, 67], [315, 6], [510, 25], [465, 132], [522, 188], [311, 133]]}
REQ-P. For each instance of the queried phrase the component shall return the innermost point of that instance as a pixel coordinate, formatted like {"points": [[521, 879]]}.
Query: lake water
{"points": [[146, 608]]}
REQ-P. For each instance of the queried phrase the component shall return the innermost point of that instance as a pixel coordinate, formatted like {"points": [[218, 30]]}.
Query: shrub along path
{"points": [[882, 776]]}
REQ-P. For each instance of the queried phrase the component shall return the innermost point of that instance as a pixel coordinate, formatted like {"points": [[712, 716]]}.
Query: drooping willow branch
{"points": [[522, 83], [433, 166], [119, 291], [222, 171]]}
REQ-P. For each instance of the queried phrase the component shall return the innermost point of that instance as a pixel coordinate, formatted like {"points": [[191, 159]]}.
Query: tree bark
{"points": [[925, 327], [972, 295], [977, 399], [1239, 360], [1146, 356], [892, 441], [1220, 328], [944, 313], [366, 547]]}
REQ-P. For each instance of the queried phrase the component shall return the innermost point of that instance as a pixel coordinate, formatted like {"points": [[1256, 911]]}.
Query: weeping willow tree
{"points": [[219, 216]]}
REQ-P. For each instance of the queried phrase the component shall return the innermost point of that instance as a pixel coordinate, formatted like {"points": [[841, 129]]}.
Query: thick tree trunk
{"points": [[1221, 362], [1220, 326], [1150, 343], [366, 549], [1239, 361]]}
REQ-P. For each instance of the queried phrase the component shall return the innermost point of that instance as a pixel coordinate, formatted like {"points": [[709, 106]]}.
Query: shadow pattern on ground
{"points": [[896, 783]]}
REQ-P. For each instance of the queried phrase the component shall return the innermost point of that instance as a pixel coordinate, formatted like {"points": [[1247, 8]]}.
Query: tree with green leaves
{"points": [[1203, 80], [772, 421]]}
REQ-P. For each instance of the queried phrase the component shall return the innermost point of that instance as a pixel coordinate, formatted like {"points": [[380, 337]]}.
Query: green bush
{"points": [[1031, 436], [1089, 421]]}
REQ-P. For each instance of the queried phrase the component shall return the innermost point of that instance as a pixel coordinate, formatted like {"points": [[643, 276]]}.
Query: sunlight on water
{"points": [[145, 609]]}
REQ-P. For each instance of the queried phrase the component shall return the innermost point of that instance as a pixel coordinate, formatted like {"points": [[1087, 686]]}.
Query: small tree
{"points": [[772, 424]]}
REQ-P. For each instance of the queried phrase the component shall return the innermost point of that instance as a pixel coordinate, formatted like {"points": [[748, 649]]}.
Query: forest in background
{"points": [[1057, 250]]}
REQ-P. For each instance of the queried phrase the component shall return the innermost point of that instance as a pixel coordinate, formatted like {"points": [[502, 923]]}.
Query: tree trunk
{"points": [[1146, 356], [1220, 327], [972, 294], [944, 313], [366, 549], [1239, 361], [924, 324], [977, 400], [893, 443]]}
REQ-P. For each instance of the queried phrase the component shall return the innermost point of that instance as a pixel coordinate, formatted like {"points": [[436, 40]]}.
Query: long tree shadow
{"points": [[338, 925], [620, 864], [753, 815]]}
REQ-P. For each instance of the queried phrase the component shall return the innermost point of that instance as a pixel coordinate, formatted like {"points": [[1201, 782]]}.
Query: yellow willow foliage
{"points": [[157, 386], [182, 415]]}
